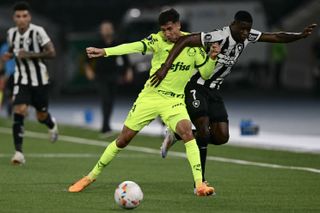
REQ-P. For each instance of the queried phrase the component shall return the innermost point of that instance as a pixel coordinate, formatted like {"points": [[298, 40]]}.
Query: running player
{"points": [[204, 103], [166, 101], [29, 44]]}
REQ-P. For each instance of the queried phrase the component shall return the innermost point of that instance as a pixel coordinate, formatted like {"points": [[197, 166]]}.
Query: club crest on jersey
{"points": [[28, 41], [240, 47], [191, 51], [196, 103]]}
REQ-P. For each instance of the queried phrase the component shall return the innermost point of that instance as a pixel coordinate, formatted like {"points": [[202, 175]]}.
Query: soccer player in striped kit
{"points": [[204, 103], [29, 44]]}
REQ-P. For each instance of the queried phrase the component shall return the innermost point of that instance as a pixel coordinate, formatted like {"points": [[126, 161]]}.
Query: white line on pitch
{"points": [[78, 140], [71, 155]]}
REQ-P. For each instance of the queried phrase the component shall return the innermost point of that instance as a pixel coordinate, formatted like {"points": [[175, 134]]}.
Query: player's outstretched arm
{"points": [[193, 40], [123, 49], [286, 37]]}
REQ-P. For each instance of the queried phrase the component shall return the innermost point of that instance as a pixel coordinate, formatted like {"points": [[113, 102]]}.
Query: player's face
{"points": [[241, 30], [22, 18], [171, 31], [106, 31]]}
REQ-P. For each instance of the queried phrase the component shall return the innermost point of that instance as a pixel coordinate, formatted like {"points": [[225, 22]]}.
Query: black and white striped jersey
{"points": [[31, 72], [230, 52]]}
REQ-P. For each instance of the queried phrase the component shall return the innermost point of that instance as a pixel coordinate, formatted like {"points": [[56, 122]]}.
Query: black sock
{"points": [[203, 144], [179, 138], [48, 121], [17, 130]]}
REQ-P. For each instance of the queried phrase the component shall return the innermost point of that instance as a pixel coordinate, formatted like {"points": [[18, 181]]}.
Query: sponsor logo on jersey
{"points": [[180, 66], [176, 105], [226, 60]]}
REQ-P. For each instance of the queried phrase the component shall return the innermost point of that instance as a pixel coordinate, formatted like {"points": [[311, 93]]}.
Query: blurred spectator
{"points": [[107, 72], [8, 70], [278, 56]]}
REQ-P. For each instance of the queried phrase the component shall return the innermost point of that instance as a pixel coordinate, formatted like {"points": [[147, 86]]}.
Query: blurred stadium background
{"points": [[250, 91], [288, 116]]}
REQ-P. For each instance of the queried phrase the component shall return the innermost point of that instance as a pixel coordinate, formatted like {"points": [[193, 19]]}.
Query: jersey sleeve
{"points": [[150, 43], [42, 37], [124, 49], [9, 38], [207, 38], [254, 35]]}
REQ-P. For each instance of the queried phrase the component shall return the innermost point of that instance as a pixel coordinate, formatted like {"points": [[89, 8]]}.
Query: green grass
{"points": [[40, 185]]}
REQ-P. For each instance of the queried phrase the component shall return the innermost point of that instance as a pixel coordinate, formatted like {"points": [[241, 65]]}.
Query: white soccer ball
{"points": [[128, 195]]}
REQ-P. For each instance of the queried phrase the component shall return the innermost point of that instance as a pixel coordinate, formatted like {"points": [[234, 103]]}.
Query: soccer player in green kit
{"points": [[166, 100]]}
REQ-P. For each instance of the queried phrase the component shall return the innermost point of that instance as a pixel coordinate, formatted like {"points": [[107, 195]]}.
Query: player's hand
{"points": [[214, 50], [93, 52], [23, 54], [159, 75], [6, 56], [308, 30]]}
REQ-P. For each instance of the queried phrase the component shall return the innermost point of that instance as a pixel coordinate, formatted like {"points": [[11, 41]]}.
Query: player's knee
{"points": [[21, 109], [186, 135], [203, 132], [123, 140], [220, 139]]}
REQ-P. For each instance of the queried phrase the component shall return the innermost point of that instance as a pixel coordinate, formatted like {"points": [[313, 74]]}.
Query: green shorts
{"points": [[151, 104]]}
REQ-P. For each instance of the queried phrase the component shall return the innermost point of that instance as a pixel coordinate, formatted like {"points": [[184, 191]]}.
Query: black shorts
{"points": [[36, 96], [201, 101]]}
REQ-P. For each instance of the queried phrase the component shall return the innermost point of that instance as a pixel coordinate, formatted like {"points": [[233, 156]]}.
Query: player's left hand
{"points": [[308, 30], [23, 54], [159, 75]]}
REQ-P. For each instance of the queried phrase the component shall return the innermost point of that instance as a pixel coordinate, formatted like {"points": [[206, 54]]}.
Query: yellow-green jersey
{"points": [[189, 61]]}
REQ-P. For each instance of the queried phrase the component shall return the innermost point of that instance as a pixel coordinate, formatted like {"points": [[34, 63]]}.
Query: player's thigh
{"points": [[202, 124], [21, 98], [40, 98], [173, 111], [217, 111], [141, 114], [219, 123], [196, 102]]}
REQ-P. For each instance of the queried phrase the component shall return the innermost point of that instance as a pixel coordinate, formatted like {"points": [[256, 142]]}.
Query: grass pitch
{"points": [[41, 184]]}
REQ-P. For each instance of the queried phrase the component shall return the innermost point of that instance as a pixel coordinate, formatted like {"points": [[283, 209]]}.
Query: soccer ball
{"points": [[128, 195]]}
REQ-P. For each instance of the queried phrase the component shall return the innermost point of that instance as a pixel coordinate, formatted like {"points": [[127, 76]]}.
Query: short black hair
{"points": [[168, 15], [243, 16], [21, 5]]}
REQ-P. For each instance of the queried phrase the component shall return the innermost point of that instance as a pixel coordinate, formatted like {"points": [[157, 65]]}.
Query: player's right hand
{"points": [[308, 30], [214, 50], [159, 75], [6, 56], [93, 52]]}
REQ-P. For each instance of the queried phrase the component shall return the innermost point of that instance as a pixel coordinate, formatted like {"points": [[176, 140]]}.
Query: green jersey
{"points": [[184, 66]]}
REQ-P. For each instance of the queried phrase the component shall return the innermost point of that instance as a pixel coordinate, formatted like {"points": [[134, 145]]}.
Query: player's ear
{"points": [[178, 24]]}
